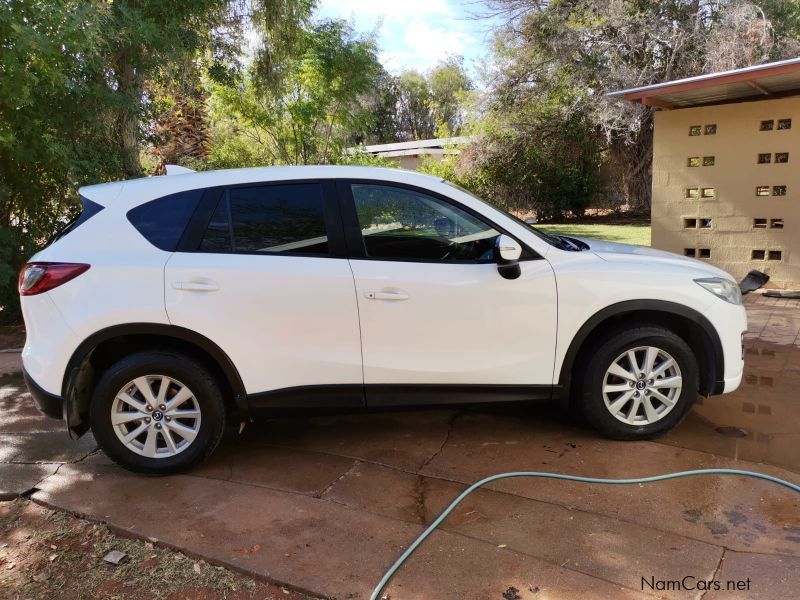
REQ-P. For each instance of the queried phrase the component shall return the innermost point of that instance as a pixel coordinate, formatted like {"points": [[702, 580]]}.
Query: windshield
{"points": [[553, 240]]}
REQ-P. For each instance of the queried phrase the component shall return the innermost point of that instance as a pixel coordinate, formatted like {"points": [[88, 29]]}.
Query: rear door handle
{"points": [[397, 295], [202, 285]]}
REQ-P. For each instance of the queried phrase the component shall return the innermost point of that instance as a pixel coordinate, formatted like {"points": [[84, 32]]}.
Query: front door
{"points": [[435, 314]]}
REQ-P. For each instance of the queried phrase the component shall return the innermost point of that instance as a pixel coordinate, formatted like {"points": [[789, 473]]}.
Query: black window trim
{"points": [[89, 208], [198, 224], [355, 240]]}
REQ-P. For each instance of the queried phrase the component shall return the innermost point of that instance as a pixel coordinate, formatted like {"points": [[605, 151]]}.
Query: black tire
{"points": [[180, 367], [592, 400]]}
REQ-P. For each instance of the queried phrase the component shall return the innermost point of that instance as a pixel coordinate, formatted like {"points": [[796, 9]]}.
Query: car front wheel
{"points": [[157, 412], [640, 383]]}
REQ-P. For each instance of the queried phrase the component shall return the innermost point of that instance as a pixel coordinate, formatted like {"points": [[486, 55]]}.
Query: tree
{"points": [[144, 36], [56, 111], [307, 114], [538, 157], [448, 83], [180, 131], [596, 46], [379, 105], [414, 117], [84, 89]]}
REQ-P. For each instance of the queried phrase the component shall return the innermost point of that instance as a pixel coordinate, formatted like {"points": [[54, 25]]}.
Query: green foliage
{"points": [[73, 107], [414, 116], [309, 115], [426, 103], [363, 159], [380, 104], [570, 53], [449, 84], [55, 110], [282, 26], [537, 156], [451, 168]]}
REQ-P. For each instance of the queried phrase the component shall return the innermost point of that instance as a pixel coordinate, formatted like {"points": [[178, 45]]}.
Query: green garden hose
{"points": [[415, 544]]}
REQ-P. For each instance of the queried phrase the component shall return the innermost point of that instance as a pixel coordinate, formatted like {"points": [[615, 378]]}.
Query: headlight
{"points": [[722, 288]]}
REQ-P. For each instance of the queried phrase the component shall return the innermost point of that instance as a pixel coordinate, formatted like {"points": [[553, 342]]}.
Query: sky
{"points": [[417, 34]]}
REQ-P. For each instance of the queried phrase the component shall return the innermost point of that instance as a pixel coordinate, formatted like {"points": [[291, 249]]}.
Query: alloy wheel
{"points": [[155, 416], [642, 385]]}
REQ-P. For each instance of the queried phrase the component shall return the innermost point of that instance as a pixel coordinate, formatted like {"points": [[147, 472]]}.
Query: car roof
{"points": [[153, 187]]}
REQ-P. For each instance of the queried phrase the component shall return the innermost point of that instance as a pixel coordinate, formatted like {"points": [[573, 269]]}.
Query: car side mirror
{"points": [[507, 251]]}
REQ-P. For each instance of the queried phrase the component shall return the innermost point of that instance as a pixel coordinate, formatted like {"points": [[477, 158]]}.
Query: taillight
{"points": [[38, 277]]}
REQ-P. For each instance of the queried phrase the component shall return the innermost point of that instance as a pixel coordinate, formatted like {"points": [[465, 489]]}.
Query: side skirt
{"points": [[438, 394], [384, 395]]}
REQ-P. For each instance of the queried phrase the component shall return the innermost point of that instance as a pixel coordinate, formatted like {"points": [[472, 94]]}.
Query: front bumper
{"points": [[49, 404], [731, 384]]}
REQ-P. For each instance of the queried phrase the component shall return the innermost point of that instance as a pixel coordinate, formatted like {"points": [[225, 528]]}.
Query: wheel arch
{"points": [[686, 322], [120, 340]]}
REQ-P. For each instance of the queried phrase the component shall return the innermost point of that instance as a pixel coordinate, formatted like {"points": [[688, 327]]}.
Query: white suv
{"points": [[174, 304]]}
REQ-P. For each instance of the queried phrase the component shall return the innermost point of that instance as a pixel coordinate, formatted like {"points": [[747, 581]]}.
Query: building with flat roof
{"points": [[726, 187], [408, 154]]}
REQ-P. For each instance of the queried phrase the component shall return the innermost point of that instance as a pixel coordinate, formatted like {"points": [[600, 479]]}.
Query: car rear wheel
{"points": [[157, 412], [640, 383]]}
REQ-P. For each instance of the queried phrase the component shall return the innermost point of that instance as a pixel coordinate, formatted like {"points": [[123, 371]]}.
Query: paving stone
{"points": [[277, 468], [404, 439], [19, 413], [770, 577], [602, 547], [311, 544], [48, 446], [18, 479], [10, 362], [740, 513]]}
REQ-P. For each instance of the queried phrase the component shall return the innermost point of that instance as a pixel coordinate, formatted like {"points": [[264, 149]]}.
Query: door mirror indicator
{"points": [[507, 251]]}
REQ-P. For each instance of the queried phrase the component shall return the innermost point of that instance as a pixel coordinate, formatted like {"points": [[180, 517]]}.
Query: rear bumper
{"points": [[49, 404]]}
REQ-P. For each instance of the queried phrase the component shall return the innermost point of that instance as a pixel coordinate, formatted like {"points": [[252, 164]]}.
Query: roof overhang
{"points": [[775, 79], [416, 147]]}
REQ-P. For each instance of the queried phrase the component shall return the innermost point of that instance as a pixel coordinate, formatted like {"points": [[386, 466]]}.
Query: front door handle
{"points": [[396, 295], [201, 285]]}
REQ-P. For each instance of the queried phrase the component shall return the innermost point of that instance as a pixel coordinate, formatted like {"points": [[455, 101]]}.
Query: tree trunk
{"points": [[130, 88], [636, 156]]}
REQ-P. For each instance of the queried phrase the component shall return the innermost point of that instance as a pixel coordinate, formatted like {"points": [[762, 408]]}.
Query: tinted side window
{"points": [[269, 219], [404, 224], [163, 220]]}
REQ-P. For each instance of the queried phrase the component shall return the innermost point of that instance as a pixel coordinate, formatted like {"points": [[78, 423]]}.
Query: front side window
{"points": [[401, 224], [271, 219]]}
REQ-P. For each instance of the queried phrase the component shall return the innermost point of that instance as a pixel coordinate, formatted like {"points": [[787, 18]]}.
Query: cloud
{"points": [[387, 9], [413, 34]]}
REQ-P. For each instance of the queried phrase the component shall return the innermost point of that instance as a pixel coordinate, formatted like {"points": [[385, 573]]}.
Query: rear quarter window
{"points": [[162, 221], [88, 210]]}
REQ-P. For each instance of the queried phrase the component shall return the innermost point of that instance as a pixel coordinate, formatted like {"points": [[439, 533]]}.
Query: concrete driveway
{"points": [[325, 504]]}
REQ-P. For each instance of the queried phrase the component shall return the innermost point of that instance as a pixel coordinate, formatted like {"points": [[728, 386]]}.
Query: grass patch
{"points": [[625, 234]]}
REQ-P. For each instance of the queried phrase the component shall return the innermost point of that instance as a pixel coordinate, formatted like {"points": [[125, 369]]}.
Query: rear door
{"points": [[264, 275]]}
